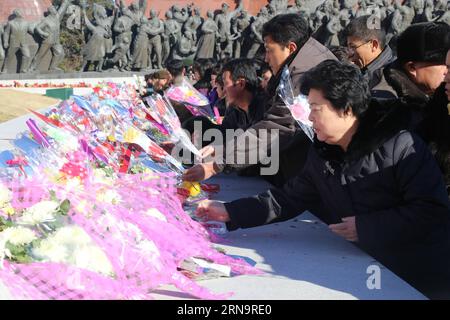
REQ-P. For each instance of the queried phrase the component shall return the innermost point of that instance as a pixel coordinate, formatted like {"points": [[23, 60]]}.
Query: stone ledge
{"points": [[71, 75]]}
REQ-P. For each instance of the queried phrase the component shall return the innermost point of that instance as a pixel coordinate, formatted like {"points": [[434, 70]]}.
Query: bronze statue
{"points": [[94, 52], [141, 57], [49, 30], [171, 34], [193, 22], [185, 49], [223, 20], [208, 34], [256, 32], [240, 29], [16, 44], [155, 41]]}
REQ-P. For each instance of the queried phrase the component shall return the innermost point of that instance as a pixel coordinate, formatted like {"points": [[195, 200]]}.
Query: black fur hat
{"points": [[424, 42]]}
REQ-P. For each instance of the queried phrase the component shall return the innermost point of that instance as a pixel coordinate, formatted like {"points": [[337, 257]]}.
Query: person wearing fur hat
{"points": [[420, 65]]}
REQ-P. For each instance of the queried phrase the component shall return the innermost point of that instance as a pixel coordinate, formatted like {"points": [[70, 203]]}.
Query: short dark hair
{"points": [[341, 53], [243, 68], [341, 83], [175, 67], [365, 29], [219, 80], [148, 77], [216, 70], [204, 68], [263, 68], [285, 28]]}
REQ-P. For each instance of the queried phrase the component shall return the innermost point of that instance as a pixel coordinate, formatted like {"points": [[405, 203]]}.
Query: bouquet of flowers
{"points": [[74, 229], [164, 110], [297, 105], [193, 100]]}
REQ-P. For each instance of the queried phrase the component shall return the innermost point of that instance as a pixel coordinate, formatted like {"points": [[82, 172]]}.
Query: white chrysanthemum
{"points": [[71, 236], [39, 213], [52, 251], [17, 236], [155, 213], [5, 196], [99, 174], [94, 259], [109, 196]]}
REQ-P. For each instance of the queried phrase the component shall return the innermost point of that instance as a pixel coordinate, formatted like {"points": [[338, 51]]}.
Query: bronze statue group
{"points": [[123, 38]]}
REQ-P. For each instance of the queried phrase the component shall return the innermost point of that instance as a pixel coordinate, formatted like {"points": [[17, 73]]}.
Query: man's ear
{"points": [[410, 68], [292, 46], [375, 45]]}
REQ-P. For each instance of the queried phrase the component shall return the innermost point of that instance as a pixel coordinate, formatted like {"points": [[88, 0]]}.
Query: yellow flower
{"points": [[9, 210], [193, 188], [131, 135]]}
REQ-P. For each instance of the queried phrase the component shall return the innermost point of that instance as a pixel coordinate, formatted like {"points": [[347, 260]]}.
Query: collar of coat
{"points": [[380, 123], [402, 84], [305, 58]]}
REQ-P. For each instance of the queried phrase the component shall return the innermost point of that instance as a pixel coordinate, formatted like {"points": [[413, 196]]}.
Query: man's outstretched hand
{"points": [[200, 172], [210, 210]]}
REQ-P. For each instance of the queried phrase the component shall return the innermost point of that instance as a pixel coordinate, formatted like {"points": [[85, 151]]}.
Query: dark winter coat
{"points": [[388, 180], [293, 143]]}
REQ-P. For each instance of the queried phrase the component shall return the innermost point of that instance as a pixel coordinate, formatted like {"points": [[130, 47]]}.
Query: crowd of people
{"points": [[378, 169]]}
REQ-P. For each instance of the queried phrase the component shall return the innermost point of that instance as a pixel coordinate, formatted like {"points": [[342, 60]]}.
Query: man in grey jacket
{"points": [[288, 43], [366, 41]]}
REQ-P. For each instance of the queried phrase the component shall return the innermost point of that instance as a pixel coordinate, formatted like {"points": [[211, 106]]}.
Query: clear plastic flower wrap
{"points": [[194, 101], [167, 115], [297, 105], [73, 230]]}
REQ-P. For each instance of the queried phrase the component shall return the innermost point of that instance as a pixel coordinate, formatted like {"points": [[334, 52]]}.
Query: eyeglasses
{"points": [[353, 47]]}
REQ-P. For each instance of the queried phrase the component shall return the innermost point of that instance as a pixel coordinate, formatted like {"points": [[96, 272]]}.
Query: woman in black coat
{"points": [[373, 182]]}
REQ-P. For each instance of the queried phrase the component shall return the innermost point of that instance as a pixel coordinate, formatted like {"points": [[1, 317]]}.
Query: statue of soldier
{"points": [[155, 43], [170, 36], [135, 12], [207, 41], [348, 12], [256, 32], [194, 22], [428, 14], [124, 35], [32, 41], [121, 59], [240, 28], [102, 19], [141, 57], [15, 41], [407, 12], [223, 21], [180, 15], [185, 48], [94, 52], [49, 30]]}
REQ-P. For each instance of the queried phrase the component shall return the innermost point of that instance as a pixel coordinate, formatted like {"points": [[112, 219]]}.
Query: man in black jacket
{"points": [[244, 99], [374, 183], [288, 43], [420, 65]]}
